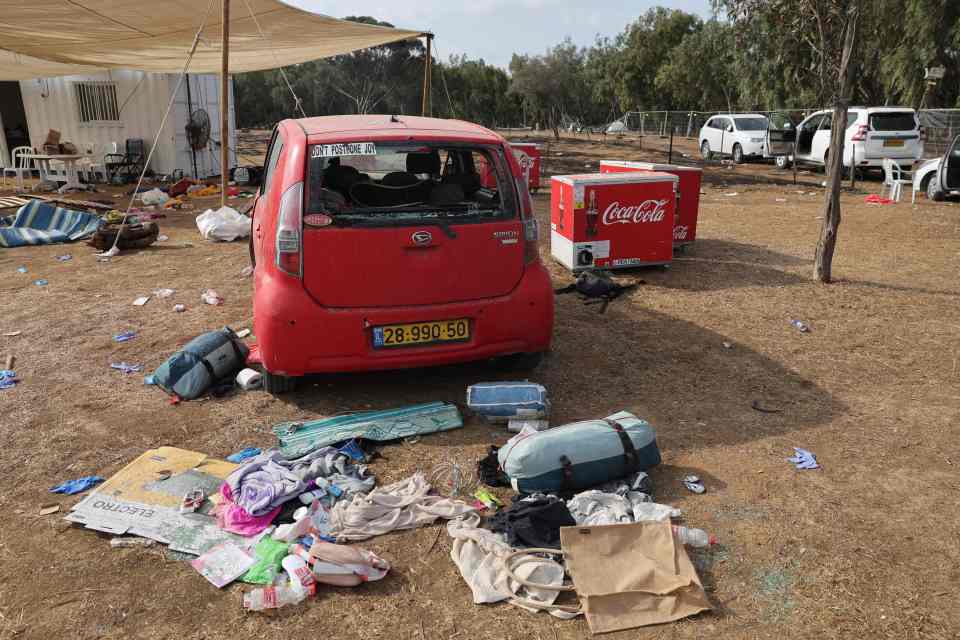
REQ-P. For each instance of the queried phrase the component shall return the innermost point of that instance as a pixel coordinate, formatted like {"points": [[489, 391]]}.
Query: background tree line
{"points": [[666, 59]]}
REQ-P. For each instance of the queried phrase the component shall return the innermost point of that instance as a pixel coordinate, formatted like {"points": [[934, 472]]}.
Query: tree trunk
{"points": [[823, 262]]}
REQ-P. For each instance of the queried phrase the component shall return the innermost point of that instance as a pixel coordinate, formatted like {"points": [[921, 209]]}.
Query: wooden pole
{"points": [[427, 110], [224, 102]]}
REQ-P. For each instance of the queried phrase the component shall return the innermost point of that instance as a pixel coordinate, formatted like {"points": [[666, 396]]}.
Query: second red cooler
{"points": [[612, 221], [528, 154], [688, 205]]}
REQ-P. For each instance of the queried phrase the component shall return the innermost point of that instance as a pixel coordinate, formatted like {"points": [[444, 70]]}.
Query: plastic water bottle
{"points": [[800, 326], [300, 575], [693, 537], [273, 597]]}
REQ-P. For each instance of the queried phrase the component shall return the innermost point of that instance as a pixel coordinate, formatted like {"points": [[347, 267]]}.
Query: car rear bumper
{"points": [[296, 336]]}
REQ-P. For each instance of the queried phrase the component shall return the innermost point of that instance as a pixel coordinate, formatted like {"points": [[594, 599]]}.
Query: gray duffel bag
{"points": [[200, 363]]}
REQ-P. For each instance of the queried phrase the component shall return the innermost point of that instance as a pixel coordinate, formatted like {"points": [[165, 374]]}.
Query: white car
{"points": [[740, 136], [940, 177], [872, 134]]}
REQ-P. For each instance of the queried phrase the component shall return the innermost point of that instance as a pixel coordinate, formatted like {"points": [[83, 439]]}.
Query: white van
{"points": [[872, 134]]}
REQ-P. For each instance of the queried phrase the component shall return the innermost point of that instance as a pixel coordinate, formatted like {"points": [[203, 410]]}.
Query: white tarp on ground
{"points": [[45, 38]]}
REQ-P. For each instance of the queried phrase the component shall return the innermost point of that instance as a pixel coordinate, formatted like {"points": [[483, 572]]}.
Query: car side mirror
{"points": [[730, 128]]}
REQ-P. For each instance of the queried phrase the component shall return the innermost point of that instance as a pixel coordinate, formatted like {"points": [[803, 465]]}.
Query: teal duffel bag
{"points": [[579, 455], [200, 363]]}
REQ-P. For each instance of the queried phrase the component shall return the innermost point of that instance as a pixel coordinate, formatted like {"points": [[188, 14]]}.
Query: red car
{"points": [[377, 247]]}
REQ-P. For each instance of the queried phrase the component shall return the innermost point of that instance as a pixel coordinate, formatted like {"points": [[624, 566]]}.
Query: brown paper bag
{"points": [[631, 575]]}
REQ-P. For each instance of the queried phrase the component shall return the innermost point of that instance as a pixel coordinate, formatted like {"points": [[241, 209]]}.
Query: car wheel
{"points": [[932, 189], [705, 150], [737, 154], [519, 361], [275, 385], [782, 162]]}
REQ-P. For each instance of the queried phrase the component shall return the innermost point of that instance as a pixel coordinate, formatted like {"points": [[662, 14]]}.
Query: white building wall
{"points": [[204, 94], [143, 97]]}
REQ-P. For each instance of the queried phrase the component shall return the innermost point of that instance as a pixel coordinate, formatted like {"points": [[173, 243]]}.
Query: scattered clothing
{"points": [[65, 257], [875, 199], [8, 379], [235, 519], [123, 337], [804, 459], [533, 522], [39, 222], [240, 456], [71, 487], [693, 484], [402, 505], [489, 471], [127, 368], [268, 554]]}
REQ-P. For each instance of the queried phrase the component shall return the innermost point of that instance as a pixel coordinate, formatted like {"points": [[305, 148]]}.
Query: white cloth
{"points": [[402, 505], [594, 507], [226, 224], [479, 554]]}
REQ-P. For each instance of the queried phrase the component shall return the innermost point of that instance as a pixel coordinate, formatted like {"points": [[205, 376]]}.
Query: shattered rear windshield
{"points": [[364, 182]]}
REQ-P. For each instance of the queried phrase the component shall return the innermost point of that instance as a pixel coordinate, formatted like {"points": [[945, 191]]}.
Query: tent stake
{"points": [[224, 103]]}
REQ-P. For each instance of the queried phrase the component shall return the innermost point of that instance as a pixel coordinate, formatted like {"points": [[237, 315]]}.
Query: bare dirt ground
{"points": [[867, 547]]}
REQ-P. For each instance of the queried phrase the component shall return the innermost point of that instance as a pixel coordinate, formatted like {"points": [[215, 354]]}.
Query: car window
{"points": [[751, 124], [273, 157], [384, 183], [826, 122], [852, 118], [893, 121], [711, 123]]}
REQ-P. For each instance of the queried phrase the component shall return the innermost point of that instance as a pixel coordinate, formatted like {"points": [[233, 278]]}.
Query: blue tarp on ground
{"points": [[40, 222]]}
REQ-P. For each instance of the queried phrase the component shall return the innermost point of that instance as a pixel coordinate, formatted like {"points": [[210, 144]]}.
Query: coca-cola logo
{"points": [[646, 211], [680, 232]]}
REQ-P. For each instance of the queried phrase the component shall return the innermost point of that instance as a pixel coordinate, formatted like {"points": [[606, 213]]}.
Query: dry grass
{"points": [[865, 548]]}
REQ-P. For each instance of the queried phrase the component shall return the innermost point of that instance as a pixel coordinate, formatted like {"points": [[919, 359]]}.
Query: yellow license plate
{"points": [[421, 333], [893, 143]]}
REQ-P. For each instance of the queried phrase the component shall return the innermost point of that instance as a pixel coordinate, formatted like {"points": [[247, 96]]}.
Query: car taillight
{"points": [[531, 231], [289, 226], [861, 133]]}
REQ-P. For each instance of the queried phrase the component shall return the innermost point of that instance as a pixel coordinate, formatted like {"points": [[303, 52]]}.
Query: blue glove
{"points": [[804, 459], [71, 487], [240, 456]]}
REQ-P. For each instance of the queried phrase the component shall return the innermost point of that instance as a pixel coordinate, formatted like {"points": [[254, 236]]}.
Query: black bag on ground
{"points": [[200, 363]]}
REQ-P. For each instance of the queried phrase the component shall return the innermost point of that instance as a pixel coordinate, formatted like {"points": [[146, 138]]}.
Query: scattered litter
{"points": [[127, 368], [21, 269], [71, 487], [224, 224], [731, 194], [727, 345], [501, 401], [162, 238], [781, 199], [163, 293], [487, 499], [65, 257], [246, 272], [119, 543], [8, 379], [804, 459], [148, 380], [800, 326], [876, 199], [249, 379], [211, 297], [244, 454], [179, 308], [41, 282], [47, 509], [693, 484], [811, 193], [126, 335], [142, 300], [154, 197], [269, 555], [223, 564], [12, 334], [243, 333], [694, 537], [192, 500], [273, 597], [516, 425], [758, 407], [109, 253]]}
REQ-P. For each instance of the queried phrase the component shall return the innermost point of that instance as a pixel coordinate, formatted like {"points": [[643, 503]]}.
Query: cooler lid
{"points": [[649, 166], [617, 178]]}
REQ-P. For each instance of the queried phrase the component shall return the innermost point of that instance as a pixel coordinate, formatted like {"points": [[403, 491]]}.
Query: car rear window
{"points": [[751, 124], [379, 183], [893, 121]]}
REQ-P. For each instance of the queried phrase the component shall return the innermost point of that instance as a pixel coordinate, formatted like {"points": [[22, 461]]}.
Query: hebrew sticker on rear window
{"points": [[344, 149]]}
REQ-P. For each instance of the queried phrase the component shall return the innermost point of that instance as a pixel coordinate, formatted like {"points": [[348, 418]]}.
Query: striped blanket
{"points": [[42, 223]]}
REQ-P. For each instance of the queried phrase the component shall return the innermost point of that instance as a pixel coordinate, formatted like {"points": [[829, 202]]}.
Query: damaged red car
{"points": [[377, 246]]}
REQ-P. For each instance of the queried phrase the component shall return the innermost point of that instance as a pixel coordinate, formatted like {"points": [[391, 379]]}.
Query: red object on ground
{"points": [[688, 199], [180, 187], [339, 297], [253, 357], [875, 199], [612, 221], [528, 154]]}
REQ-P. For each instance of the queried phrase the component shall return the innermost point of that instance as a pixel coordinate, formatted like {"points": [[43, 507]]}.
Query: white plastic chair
{"points": [[895, 176], [21, 165], [92, 165]]}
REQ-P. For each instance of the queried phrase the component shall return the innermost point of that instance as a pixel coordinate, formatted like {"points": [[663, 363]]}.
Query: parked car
{"points": [[377, 247], [940, 177], [872, 134], [740, 136]]}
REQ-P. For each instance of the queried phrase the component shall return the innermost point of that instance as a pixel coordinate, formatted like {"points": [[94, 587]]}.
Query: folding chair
{"points": [[128, 164]]}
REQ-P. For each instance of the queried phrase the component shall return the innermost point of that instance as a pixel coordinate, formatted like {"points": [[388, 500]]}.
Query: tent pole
{"points": [[427, 109], [224, 102]]}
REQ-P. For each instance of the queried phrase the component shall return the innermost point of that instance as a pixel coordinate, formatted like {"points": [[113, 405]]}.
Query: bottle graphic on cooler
{"points": [[592, 214]]}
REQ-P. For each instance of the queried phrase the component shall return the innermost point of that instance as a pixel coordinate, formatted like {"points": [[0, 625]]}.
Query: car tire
{"points": [[519, 361], [705, 150], [931, 189], [275, 384], [737, 154], [782, 162]]}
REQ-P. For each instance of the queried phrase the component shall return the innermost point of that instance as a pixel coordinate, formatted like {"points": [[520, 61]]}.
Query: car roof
{"points": [[868, 109], [372, 125], [746, 115]]}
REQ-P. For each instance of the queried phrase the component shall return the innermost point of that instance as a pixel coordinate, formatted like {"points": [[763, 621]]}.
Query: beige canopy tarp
{"points": [[44, 38]]}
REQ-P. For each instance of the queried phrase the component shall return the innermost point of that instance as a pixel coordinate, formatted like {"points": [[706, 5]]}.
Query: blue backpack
{"points": [[200, 363]]}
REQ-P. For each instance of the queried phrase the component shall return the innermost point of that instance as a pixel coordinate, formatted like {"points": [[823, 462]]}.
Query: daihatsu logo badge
{"points": [[422, 237]]}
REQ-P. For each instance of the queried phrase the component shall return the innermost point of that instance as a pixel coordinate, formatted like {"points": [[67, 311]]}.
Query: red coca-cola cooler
{"points": [[612, 221], [688, 205], [528, 154]]}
